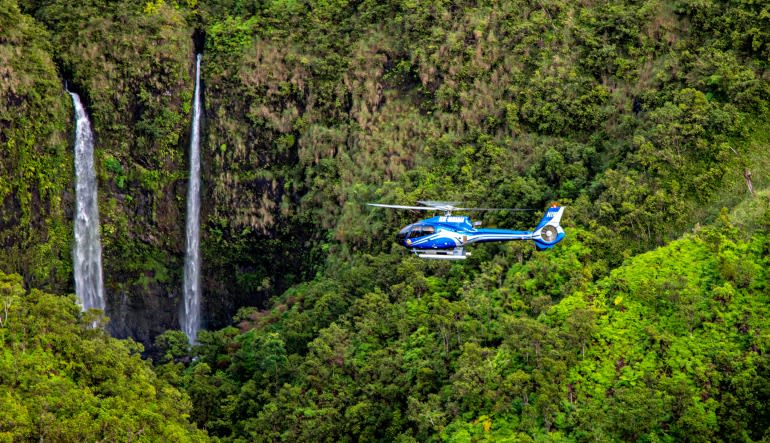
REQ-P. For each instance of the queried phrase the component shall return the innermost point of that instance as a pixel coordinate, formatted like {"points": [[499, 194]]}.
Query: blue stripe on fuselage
{"points": [[490, 235], [449, 236]]}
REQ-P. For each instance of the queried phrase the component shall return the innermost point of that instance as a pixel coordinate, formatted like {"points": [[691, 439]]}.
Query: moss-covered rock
{"points": [[36, 164]]}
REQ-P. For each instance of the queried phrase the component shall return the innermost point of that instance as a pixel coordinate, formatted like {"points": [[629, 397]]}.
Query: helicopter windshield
{"points": [[403, 233], [421, 230]]}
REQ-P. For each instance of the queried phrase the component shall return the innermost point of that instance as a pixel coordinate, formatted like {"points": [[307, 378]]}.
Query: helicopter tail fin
{"points": [[549, 232]]}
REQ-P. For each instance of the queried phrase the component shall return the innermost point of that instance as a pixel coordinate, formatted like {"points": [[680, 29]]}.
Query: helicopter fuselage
{"points": [[450, 232]]}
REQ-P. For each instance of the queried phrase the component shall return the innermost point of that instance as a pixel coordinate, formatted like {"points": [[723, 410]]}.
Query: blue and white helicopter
{"points": [[445, 237]]}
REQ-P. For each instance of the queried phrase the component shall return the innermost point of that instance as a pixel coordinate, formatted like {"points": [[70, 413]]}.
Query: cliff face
{"points": [[255, 240], [632, 116], [133, 67], [36, 166]]}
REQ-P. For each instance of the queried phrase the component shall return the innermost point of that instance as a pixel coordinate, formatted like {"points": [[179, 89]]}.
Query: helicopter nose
{"points": [[402, 234]]}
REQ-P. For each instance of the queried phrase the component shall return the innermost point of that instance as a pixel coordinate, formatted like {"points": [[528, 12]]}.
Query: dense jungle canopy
{"points": [[649, 120]]}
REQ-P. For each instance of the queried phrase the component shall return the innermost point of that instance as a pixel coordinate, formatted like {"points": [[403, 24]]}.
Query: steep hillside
{"points": [[681, 343], [642, 117], [671, 346]]}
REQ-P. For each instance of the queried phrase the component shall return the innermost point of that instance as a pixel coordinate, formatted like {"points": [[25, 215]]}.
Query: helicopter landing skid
{"points": [[443, 254]]}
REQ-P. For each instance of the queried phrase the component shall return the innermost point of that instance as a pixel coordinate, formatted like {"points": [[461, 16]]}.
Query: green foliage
{"points": [[230, 36], [172, 345], [64, 379], [640, 116], [36, 168], [668, 346], [112, 165]]}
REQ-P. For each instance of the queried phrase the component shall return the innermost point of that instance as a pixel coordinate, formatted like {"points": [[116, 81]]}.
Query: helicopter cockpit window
{"points": [[403, 233], [420, 231]]}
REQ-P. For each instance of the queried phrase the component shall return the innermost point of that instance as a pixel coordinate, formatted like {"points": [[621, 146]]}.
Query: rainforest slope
{"points": [[671, 346], [644, 118]]}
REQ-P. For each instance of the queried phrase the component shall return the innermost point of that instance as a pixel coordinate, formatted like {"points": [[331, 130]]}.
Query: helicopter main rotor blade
{"points": [[451, 206], [416, 208], [443, 206], [438, 204], [493, 209]]}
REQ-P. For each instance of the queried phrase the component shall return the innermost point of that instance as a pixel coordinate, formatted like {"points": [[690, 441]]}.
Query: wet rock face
{"points": [[144, 316], [10, 208], [135, 74], [143, 268]]}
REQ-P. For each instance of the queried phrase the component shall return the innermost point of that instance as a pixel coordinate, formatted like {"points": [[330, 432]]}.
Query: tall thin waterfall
{"points": [[87, 256], [190, 316]]}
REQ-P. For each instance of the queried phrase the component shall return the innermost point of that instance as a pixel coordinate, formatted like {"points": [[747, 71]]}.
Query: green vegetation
{"points": [[63, 378], [671, 346], [36, 168], [644, 118]]}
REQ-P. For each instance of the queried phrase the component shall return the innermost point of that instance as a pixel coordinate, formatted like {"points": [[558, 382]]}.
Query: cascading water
{"points": [[87, 256], [190, 316]]}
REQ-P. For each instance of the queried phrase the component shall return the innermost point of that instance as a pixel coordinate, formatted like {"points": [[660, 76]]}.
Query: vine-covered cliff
{"points": [[36, 168], [640, 117]]}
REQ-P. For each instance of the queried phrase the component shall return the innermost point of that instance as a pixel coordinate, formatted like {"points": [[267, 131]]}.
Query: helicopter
{"points": [[444, 237]]}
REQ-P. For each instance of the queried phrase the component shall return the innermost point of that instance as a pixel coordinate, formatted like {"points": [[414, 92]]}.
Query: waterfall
{"points": [[190, 316], [87, 256]]}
